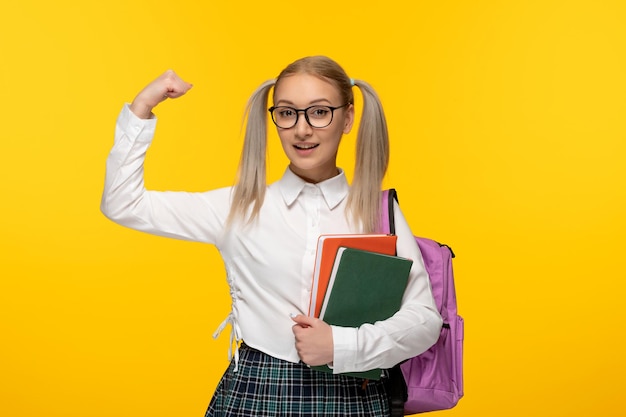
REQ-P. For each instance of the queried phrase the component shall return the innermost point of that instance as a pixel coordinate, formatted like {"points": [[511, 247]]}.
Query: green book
{"points": [[364, 287]]}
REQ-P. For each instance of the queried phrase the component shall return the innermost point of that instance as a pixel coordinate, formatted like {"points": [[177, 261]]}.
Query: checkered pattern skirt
{"points": [[265, 386]]}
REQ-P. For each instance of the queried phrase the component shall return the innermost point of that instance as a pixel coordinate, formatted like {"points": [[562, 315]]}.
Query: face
{"points": [[312, 152]]}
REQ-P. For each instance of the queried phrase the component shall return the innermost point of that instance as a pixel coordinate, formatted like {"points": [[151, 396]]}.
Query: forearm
{"points": [[173, 214], [384, 344], [124, 182]]}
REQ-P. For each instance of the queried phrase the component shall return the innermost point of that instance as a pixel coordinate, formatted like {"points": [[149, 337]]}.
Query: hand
{"points": [[168, 85], [314, 340]]}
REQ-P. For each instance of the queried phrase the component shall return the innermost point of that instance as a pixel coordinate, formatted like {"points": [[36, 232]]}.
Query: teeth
{"points": [[305, 146]]}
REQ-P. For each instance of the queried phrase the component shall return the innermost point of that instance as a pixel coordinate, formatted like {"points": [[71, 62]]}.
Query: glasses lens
{"points": [[284, 117], [320, 116]]}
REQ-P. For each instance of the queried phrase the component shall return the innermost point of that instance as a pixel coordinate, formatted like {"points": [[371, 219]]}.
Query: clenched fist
{"points": [[167, 85]]}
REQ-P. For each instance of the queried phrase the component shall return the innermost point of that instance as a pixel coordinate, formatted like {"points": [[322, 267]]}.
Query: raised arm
{"points": [[195, 216]]}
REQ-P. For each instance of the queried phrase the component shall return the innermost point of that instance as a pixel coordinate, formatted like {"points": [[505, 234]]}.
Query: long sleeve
{"points": [[411, 331], [173, 214], [269, 277]]}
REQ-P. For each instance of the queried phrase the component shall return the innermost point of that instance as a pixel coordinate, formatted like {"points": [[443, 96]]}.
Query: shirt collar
{"points": [[334, 189]]}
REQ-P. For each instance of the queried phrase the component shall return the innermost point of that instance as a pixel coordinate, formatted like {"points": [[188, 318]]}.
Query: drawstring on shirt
{"points": [[235, 337]]}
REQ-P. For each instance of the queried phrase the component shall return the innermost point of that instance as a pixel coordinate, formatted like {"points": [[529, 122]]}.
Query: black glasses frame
{"points": [[306, 114]]}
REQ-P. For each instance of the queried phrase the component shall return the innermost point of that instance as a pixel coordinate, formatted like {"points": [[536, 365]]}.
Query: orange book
{"points": [[327, 246]]}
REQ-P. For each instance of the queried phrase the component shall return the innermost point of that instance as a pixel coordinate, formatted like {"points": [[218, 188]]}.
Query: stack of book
{"points": [[357, 280]]}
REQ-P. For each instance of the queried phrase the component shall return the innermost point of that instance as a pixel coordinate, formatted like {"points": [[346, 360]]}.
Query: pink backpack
{"points": [[434, 379]]}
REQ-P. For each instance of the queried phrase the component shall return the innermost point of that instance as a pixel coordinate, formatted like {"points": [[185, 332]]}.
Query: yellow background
{"points": [[508, 143]]}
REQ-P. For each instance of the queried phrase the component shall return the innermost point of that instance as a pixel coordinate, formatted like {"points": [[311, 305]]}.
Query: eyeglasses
{"points": [[316, 116]]}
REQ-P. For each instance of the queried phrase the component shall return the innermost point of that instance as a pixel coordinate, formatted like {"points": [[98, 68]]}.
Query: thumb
{"points": [[302, 320]]}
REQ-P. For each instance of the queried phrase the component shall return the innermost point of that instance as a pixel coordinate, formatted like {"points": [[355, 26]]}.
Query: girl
{"points": [[267, 237]]}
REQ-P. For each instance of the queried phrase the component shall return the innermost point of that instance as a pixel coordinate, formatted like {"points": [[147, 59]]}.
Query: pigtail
{"points": [[249, 191], [372, 147], [372, 159]]}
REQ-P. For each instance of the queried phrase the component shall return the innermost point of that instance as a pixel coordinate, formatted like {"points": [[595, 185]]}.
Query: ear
{"points": [[348, 119]]}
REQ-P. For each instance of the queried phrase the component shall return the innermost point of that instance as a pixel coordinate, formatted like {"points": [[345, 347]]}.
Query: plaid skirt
{"points": [[265, 386]]}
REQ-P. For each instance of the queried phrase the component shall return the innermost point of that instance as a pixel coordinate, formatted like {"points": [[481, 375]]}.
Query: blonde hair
{"points": [[372, 146]]}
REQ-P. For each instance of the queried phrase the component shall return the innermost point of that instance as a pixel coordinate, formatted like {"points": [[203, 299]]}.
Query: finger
{"points": [[174, 86], [178, 90]]}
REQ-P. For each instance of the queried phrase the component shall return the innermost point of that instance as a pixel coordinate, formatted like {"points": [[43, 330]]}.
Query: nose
{"points": [[302, 127]]}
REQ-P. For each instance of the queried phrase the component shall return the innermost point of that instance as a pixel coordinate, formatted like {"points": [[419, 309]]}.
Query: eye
{"points": [[319, 112], [286, 112]]}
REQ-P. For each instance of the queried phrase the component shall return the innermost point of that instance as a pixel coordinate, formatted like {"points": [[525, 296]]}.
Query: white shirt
{"points": [[269, 263]]}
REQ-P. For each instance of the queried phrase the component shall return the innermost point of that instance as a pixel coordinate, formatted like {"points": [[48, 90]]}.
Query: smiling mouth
{"points": [[306, 146]]}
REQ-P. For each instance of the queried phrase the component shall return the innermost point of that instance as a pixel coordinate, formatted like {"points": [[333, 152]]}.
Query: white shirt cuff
{"points": [[345, 349], [135, 128]]}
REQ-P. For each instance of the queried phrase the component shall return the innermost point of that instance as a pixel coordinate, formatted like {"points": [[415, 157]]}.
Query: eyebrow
{"points": [[311, 103]]}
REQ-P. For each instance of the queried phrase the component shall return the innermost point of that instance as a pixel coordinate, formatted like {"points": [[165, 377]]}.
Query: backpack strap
{"points": [[397, 391], [387, 220], [396, 385]]}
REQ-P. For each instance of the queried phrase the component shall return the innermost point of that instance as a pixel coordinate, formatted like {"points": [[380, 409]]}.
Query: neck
{"points": [[315, 178]]}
